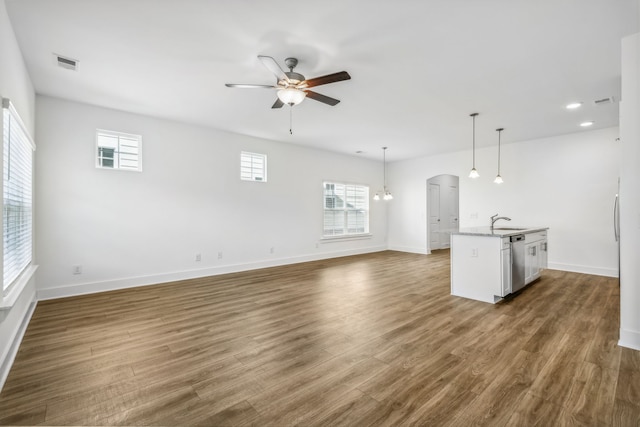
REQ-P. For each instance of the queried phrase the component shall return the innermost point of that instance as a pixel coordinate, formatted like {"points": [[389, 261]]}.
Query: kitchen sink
{"points": [[508, 228]]}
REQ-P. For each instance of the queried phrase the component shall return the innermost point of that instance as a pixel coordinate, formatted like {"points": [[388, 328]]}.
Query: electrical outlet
{"points": [[76, 269], [219, 255], [474, 215], [198, 257], [272, 250], [474, 252]]}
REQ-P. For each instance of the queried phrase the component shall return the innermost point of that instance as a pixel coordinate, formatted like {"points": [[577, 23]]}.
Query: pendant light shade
{"points": [[498, 179], [474, 173], [386, 194]]}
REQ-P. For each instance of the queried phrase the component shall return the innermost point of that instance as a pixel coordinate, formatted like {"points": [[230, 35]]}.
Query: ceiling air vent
{"points": [[604, 101], [68, 63]]}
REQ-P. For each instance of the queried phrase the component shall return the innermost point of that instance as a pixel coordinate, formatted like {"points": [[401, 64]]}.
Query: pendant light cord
{"points": [[499, 132], [384, 167], [474, 138]]}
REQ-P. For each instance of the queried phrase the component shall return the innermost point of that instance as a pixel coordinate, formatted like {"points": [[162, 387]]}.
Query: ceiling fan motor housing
{"points": [[295, 78]]}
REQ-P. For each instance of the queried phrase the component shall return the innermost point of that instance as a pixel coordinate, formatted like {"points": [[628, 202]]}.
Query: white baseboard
{"points": [[409, 249], [597, 271], [9, 356], [131, 282], [629, 339]]}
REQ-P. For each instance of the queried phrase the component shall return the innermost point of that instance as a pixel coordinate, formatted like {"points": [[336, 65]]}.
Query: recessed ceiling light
{"points": [[586, 124], [574, 105]]}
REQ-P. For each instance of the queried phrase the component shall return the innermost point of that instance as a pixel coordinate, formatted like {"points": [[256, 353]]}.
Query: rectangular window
{"points": [[117, 150], [346, 209], [17, 211], [253, 167]]}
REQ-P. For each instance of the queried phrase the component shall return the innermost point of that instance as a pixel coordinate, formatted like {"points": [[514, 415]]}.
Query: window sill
{"points": [[346, 238], [10, 298]]}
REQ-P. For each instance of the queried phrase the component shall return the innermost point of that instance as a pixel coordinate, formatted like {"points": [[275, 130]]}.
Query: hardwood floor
{"points": [[364, 340]]}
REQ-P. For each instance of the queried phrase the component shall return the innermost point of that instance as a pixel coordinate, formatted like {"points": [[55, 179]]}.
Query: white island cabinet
{"points": [[482, 261]]}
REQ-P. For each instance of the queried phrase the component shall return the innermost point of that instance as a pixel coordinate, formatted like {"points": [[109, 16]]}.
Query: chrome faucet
{"points": [[496, 217]]}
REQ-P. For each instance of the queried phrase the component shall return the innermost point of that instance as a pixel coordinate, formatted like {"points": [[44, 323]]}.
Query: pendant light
{"points": [[498, 179], [386, 193], [474, 173]]}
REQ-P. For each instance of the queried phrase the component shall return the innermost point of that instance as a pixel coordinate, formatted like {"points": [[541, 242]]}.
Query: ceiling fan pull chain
{"points": [[291, 119]]}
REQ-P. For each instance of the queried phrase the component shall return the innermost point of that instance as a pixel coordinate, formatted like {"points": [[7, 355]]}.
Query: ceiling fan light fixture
{"points": [[291, 96], [376, 197]]}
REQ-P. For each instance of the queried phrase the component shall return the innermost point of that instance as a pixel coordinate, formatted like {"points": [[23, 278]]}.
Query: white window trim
{"points": [[15, 290], [10, 295], [346, 237], [330, 239], [119, 134], [264, 168]]}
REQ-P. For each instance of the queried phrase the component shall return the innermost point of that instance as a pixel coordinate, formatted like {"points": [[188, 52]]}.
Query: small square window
{"points": [[253, 167], [117, 150]]}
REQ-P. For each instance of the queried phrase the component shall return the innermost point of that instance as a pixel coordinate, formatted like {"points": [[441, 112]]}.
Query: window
{"points": [[253, 167], [116, 150], [17, 201], [346, 209]]}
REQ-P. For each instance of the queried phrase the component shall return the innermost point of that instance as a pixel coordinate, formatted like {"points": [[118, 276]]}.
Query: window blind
{"points": [[17, 215]]}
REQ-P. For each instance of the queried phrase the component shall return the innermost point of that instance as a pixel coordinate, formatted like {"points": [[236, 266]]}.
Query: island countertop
{"points": [[498, 231]]}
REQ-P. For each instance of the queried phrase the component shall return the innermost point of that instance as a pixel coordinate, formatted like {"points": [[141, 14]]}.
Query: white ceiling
{"points": [[418, 67]]}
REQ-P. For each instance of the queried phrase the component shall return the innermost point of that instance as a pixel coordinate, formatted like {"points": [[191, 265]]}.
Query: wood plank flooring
{"points": [[366, 340]]}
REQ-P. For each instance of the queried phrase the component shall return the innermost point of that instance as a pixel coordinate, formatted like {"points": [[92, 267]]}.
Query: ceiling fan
{"points": [[293, 87]]}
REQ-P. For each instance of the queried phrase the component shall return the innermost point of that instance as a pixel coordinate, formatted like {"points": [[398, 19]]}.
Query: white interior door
{"points": [[434, 216], [451, 215]]}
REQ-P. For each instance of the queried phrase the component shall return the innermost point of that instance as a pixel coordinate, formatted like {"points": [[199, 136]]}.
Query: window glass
{"points": [[253, 167], [117, 150], [346, 209], [17, 195]]}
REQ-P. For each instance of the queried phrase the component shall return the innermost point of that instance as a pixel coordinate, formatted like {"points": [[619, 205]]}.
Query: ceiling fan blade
{"points": [[249, 86], [321, 98], [277, 104], [273, 66], [329, 78]]}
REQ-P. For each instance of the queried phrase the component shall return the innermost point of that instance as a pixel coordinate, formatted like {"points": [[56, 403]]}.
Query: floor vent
{"points": [[68, 63]]}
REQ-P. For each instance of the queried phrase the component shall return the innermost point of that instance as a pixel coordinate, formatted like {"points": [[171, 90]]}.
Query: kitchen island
{"points": [[488, 263]]}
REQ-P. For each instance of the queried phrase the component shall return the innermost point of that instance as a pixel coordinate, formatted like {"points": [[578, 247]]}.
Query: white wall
{"points": [[567, 183], [630, 194], [129, 228], [15, 84]]}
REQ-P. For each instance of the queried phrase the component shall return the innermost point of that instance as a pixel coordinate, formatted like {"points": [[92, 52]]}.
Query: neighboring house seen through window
{"points": [[346, 209], [117, 150]]}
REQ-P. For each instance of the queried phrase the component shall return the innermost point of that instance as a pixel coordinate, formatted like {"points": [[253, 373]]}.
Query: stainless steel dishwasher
{"points": [[518, 260]]}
